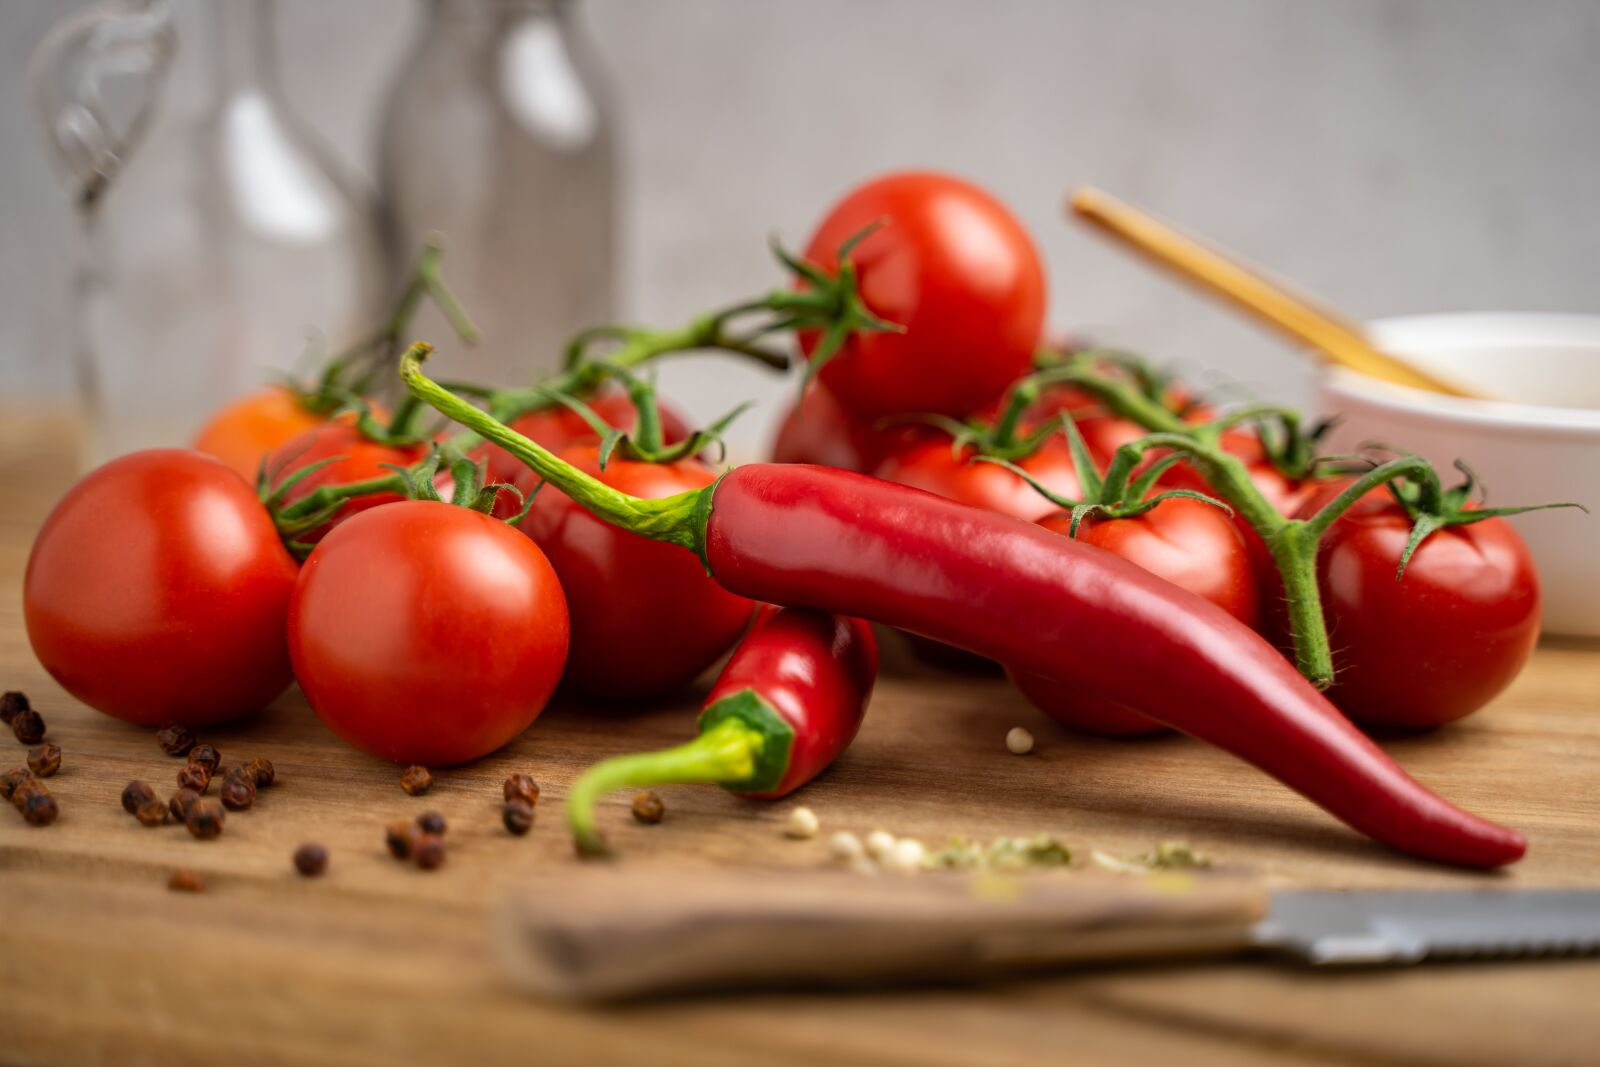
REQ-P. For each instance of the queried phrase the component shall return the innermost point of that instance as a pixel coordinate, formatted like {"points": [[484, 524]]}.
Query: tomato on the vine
{"points": [[646, 618], [355, 458], [428, 633], [157, 589], [251, 428], [1436, 643], [955, 268], [817, 429], [932, 465], [557, 426], [1188, 542]]}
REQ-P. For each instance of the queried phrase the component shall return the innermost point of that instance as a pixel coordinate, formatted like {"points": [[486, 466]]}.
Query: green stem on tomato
{"points": [[727, 752]]}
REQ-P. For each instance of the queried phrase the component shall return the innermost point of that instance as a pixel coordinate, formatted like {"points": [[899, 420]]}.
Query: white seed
{"points": [[1019, 741], [802, 823], [845, 846], [908, 853], [880, 844]]}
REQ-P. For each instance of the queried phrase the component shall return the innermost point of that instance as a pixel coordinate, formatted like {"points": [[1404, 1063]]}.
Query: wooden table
{"points": [[381, 963]]}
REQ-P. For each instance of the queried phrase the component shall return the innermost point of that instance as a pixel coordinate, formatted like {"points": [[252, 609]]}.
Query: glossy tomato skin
{"points": [[1189, 543], [929, 464], [356, 458], [557, 427], [157, 591], [954, 267], [1442, 641], [818, 430], [646, 618], [427, 633]]}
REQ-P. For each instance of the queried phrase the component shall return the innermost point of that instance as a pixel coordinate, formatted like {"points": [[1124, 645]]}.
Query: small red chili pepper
{"points": [[1013, 591], [788, 703]]}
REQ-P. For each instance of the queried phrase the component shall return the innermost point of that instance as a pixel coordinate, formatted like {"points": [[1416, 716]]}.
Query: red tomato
{"points": [[427, 633], [1443, 640], [156, 591], [1189, 543], [1103, 432], [818, 430], [930, 465], [559, 426], [253, 427], [646, 618], [958, 271], [360, 459]]}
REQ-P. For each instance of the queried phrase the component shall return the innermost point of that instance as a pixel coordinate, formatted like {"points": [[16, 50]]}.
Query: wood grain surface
{"points": [[379, 963]]}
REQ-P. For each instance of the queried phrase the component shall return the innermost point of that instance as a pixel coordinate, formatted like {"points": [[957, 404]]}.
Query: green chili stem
{"points": [[727, 752]]}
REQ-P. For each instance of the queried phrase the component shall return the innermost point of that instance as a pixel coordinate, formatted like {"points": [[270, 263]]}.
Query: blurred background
{"points": [[1390, 155]]}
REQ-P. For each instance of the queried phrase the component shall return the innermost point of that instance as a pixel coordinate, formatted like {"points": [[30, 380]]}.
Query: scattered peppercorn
{"points": [[237, 792], [152, 812], [522, 787], [431, 822], [401, 837], [175, 739], [1019, 741], [40, 809], [185, 880], [647, 807], [134, 794], [310, 860], [194, 776], [803, 823], [11, 703], [428, 851], [29, 786], [11, 779], [206, 818], [181, 802], [207, 756], [28, 725], [261, 771], [518, 816], [44, 760], [416, 780]]}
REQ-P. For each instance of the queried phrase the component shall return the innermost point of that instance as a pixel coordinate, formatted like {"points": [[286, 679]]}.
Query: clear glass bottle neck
{"points": [[243, 35]]}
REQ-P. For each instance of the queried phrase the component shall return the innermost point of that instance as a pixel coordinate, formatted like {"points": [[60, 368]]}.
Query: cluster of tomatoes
{"points": [[436, 612]]}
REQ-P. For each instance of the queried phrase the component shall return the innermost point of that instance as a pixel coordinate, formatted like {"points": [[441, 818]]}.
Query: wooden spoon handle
{"points": [[1276, 305], [607, 933]]}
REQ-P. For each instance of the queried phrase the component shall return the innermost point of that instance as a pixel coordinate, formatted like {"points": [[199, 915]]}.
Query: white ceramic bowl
{"points": [[1537, 441]]}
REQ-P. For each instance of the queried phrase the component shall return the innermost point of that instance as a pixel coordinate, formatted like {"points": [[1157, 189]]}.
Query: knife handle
{"points": [[606, 933]]}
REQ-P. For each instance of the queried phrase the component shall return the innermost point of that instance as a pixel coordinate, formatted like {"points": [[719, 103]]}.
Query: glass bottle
{"points": [[218, 239], [498, 137]]}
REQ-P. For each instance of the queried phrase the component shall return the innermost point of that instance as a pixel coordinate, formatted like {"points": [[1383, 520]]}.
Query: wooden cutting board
{"points": [[380, 963]]}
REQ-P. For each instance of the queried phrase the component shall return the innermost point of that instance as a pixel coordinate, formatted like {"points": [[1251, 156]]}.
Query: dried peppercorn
{"points": [[28, 725], [522, 787], [416, 780], [175, 739], [401, 837], [40, 809], [310, 860], [431, 822], [194, 776], [206, 818], [428, 851], [134, 794], [29, 786], [181, 802], [518, 816], [152, 812], [207, 756], [237, 792], [11, 779], [44, 760], [11, 703], [185, 880], [261, 771], [648, 808]]}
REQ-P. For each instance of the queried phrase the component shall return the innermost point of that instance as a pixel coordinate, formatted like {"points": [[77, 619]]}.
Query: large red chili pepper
{"points": [[1010, 590], [785, 707]]}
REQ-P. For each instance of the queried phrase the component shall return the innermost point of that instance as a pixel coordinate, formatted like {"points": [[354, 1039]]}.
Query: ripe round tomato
{"points": [[156, 591], [558, 426], [930, 465], [356, 458], [1191, 544], [1103, 432], [819, 430], [646, 618], [1443, 640], [427, 633], [958, 271], [254, 426]]}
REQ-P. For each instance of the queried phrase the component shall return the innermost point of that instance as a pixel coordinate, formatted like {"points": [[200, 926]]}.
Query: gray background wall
{"points": [[1391, 155]]}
